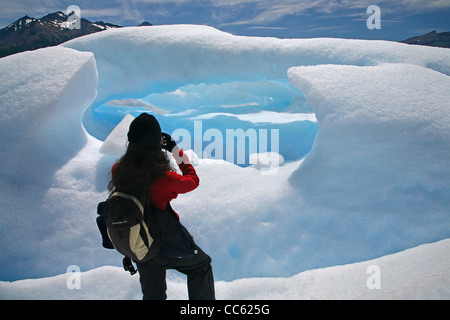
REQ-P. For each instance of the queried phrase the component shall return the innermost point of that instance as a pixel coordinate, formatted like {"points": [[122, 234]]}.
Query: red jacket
{"points": [[169, 186]]}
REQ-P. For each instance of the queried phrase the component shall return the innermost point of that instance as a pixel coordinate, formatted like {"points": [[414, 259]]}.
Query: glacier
{"points": [[366, 177]]}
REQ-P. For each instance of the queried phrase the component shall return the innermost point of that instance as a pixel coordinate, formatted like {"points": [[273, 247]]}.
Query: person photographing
{"points": [[146, 165]]}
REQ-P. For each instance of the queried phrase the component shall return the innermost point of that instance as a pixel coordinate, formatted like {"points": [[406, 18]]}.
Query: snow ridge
{"points": [[374, 183]]}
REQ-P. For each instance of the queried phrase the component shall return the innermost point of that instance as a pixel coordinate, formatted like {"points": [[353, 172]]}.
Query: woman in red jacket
{"points": [[145, 165]]}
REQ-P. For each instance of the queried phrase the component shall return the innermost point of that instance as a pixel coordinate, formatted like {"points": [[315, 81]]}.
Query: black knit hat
{"points": [[145, 129]]}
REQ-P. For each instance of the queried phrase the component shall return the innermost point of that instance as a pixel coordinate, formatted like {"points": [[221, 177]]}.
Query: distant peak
{"points": [[145, 24]]}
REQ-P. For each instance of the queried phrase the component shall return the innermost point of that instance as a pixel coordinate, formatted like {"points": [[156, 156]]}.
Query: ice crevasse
{"points": [[375, 181]]}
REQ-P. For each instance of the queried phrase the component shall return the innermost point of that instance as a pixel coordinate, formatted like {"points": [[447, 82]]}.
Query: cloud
{"points": [[105, 12], [223, 12], [269, 28], [269, 11], [425, 5]]}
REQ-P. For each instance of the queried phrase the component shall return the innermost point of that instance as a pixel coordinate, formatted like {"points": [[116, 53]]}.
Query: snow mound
{"points": [[116, 142], [382, 145], [156, 58], [43, 95], [136, 62], [418, 273]]}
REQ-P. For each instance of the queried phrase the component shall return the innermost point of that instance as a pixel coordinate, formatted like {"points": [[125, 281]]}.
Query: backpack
{"points": [[120, 224], [130, 227]]}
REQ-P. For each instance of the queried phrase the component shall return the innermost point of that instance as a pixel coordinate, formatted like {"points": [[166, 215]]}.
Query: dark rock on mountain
{"points": [[29, 33], [433, 39], [145, 24]]}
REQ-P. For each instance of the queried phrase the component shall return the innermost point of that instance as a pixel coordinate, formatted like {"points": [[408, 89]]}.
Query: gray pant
{"points": [[198, 270]]}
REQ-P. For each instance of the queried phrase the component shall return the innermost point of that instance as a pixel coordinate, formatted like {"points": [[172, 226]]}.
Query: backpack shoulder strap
{"points": [[127, 196]]}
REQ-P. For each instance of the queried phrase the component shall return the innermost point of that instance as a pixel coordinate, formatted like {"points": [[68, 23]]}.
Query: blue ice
{"points": [[178, 109]]}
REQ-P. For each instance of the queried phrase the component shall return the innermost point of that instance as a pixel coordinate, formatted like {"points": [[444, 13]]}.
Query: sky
{"points": [[398, 19]]}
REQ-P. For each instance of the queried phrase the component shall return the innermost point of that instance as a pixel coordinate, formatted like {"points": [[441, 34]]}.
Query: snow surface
{"points": [[418, 273], [374, 181]]}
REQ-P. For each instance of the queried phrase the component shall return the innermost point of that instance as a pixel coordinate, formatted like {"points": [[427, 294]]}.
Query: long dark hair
{"points": [[141, 165]]}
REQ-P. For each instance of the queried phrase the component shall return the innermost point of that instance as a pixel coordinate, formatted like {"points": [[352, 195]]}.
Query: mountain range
{"points": [[433, 39], [29, 33]]}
